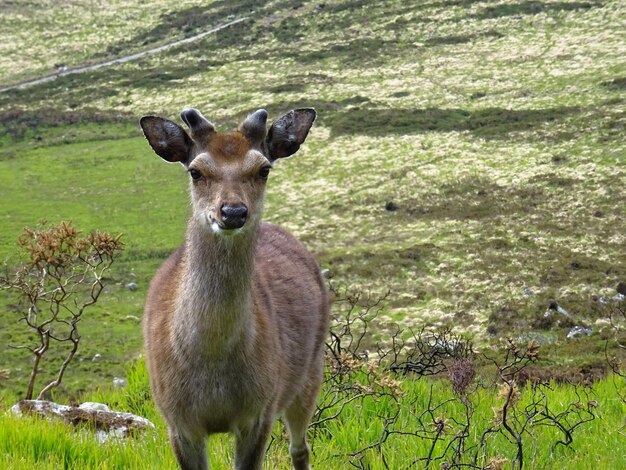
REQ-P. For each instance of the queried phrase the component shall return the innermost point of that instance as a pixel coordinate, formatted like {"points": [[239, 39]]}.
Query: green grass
{"points": [[496, 128], [33, 443]]}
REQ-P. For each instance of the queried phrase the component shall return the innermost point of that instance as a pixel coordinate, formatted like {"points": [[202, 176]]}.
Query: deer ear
{"points": [[168, 140], [289, 132]]}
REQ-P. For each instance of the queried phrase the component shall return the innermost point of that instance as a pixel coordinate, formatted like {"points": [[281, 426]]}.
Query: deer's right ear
{"points": [[167, 139]]}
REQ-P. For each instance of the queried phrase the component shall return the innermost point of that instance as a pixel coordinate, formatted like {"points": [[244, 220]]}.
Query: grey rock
{"points": [[132, 286], [93, 407], [119, 382], [108, 423], [579, 331], [553, 308]]}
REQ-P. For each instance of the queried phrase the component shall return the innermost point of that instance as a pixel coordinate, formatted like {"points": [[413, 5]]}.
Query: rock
{"points": [[619, 297], [92, 406], [554, 307], [621, 288], [391, 206], [118, 382], [96, 357], [40, 407], [132, 286], [579, 331], [527, 292], [104, 422], [327, 274]]}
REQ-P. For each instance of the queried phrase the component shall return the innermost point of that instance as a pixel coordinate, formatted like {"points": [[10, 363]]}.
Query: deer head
{"points": [[228, 170]]}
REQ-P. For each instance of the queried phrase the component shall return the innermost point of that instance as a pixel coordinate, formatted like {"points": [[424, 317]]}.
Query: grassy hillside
{"points": [[468, 155]]}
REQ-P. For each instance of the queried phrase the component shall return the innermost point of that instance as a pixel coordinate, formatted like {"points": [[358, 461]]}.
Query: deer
{"points": [[235, 319]]}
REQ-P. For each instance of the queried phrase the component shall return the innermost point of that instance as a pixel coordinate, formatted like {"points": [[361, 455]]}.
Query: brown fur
{"points": [[234, 323], [228, 146]]}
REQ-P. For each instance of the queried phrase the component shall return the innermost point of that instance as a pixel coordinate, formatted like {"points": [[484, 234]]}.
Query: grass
{"points": [[493, 129], [30, 443]]}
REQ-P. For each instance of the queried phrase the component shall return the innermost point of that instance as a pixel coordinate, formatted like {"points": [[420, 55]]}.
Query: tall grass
{"points": [[358, 437]]}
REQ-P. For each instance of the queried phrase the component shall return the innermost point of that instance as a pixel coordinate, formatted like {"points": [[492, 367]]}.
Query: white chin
{"points": [[215, 227]]}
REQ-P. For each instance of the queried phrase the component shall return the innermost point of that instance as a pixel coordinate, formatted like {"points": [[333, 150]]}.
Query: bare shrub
{"points": [[360, 369], [60, 276], [615, 349]]}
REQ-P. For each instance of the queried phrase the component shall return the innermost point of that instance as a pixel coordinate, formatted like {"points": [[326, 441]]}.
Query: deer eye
{"points": [[264, 172], [195, 174]]}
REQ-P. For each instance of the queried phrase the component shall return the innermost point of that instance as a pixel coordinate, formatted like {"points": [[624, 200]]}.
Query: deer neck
{"points": [[214, 301]]}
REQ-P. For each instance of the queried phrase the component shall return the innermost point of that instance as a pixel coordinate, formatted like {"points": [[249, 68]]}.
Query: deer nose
{"points": [[233, 215]]}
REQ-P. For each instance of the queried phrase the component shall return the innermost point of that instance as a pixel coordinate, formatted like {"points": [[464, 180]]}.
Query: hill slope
{"points": [[468, 156]]}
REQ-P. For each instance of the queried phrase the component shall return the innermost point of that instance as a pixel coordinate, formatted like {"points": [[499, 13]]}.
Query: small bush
{"points": [[59, 278]]}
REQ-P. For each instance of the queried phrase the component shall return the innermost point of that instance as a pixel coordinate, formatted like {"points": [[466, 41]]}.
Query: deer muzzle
{"points": [[233, 216]]}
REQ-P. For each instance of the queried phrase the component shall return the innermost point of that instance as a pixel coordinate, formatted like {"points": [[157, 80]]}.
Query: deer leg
{"points": [[191, 454], [298, 417], [251, 445]]}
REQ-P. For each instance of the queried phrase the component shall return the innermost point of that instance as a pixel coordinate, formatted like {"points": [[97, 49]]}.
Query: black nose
{"points": [[234, 215]]}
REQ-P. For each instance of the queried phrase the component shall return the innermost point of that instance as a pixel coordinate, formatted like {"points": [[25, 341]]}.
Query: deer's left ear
{"points": [[288, 132]]}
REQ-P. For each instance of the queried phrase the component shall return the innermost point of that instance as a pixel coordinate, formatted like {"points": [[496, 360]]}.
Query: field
{"points": [[468, 159]]}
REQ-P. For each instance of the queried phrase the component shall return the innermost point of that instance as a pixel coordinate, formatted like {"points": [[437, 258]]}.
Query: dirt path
{"points": [[120, 60]]}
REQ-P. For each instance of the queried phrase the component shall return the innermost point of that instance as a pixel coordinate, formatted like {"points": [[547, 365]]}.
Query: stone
{"points": [[91, 406], [579, 331], [98, 417], [554, 307], [391, 206], [118, 382], [132, 286]]}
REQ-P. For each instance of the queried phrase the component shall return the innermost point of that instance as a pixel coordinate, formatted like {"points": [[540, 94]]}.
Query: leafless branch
{"points": [[54, 288]]}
